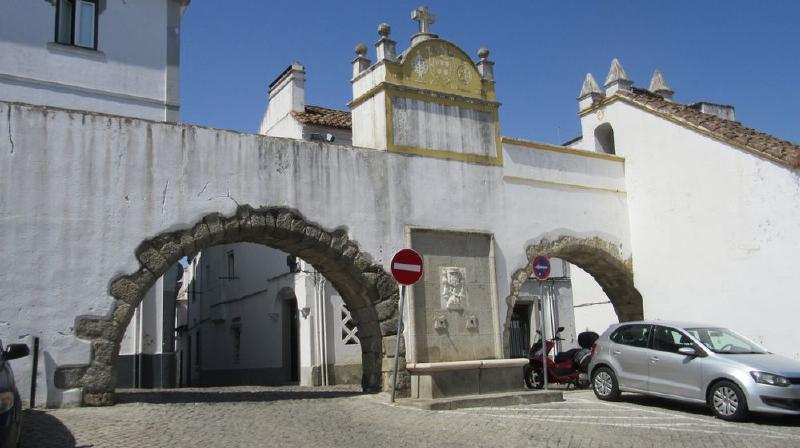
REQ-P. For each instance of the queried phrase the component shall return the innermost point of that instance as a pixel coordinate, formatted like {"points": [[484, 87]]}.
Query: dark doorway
{"points": [[292, 335], [520, 330]]}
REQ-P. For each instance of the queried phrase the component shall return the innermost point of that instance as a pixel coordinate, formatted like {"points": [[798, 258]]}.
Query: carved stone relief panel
{"points": [[454, 292]]}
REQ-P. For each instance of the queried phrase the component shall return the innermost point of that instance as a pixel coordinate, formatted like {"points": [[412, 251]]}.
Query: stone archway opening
{"points": [[600, 258], [370, 294]]}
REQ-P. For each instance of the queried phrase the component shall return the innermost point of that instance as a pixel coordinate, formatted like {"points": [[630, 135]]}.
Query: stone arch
{"points": [[600, 258], [369, 292]]}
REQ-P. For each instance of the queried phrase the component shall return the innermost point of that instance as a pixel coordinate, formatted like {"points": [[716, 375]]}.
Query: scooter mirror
{"points": [[560, 329]]}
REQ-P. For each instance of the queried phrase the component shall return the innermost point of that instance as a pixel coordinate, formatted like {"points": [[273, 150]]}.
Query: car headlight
{"points": [[769, 378], [6, 401]]}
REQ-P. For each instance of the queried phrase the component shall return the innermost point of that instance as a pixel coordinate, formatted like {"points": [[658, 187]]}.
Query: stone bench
{"points": [[432, 380]]}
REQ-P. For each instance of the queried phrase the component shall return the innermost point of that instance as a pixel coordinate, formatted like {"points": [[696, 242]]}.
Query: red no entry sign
{"points": [[407, 267], [541, 267]]}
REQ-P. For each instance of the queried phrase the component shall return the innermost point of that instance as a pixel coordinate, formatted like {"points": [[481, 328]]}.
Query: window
{"points": [[635, 335], [349, 329], [231, 266], [76, 22], [723, 340], [670, 340]]}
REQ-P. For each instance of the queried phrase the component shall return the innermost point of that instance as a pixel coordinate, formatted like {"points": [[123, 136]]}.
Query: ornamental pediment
{"points": [[440, 66]]}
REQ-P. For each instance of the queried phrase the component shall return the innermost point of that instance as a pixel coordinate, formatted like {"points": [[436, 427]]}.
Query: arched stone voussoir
{"points": [[367, 290], [96, 328], [602, 259], [132, 288]]}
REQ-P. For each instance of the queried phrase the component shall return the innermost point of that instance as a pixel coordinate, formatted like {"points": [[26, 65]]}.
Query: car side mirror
{"points": [[688, 351], [14, 351]]}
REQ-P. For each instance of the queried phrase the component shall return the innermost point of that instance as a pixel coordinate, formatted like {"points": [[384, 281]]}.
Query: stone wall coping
{"points": [[429, 367]]}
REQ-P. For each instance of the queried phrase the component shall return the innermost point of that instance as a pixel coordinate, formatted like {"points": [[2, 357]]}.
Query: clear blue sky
{"points": [[744, 53]]}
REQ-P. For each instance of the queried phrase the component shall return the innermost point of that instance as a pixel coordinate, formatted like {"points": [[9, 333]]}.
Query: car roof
{"points": [[669, 323]]}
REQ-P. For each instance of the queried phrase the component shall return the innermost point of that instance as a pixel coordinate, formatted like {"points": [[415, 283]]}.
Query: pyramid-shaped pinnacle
{"points": [[589, 86], [658, 84], [616, 73]]}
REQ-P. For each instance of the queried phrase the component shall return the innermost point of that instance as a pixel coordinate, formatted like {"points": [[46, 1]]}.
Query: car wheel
{"points": [[604, 384], [533, 378], [728, 401]]}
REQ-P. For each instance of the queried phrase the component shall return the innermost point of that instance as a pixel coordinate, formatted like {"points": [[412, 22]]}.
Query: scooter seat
{"points": [[564, 356]]}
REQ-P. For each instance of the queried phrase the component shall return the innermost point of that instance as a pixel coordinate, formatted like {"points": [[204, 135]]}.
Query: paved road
{"points": [[339, 416]]}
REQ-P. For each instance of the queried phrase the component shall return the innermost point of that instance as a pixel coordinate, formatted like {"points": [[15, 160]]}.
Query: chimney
{"points": [[660, 87], [590, 93], [617, 79], [286, 95], [724, 111]]}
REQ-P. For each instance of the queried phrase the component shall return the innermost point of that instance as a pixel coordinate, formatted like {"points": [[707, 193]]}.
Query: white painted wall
{"points": [[134, 71], [91, 188], [713, 228], [591, 313]]}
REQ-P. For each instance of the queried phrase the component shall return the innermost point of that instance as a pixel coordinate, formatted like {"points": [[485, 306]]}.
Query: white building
{"points": [[258, 316], [111, 56], [673, 209]]}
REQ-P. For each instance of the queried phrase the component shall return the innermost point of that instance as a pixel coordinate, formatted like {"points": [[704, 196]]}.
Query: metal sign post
{"points": [[544, 336], [541, 271], [407, 270], [397, 340]]}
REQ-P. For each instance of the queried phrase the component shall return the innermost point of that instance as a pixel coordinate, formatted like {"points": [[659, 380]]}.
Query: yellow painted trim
{"points": [[685, 124], [562, 184], [427, 95], [562, 149]]}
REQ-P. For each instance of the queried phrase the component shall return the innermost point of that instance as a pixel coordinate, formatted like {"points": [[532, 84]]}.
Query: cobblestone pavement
{"points": [[340, 416]]}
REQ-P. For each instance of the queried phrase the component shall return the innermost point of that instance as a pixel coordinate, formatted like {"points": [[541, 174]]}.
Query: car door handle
{"points": [[617, 352], [654, 359]]}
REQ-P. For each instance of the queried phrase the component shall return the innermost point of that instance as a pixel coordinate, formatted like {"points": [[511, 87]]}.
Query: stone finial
{"points": [[385, 47], [425, 19], [589, 86], [590, 93], [617, 79], [361, 62], [484, 65], [659, 86]]}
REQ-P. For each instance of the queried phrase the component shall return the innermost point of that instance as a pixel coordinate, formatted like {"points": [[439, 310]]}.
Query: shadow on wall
{"points": [[231, 396], [54, 394], [42, 430]]}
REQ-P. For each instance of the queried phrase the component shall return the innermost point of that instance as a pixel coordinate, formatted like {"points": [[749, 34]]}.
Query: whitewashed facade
{"points": [[644, 197], [109, 56]]}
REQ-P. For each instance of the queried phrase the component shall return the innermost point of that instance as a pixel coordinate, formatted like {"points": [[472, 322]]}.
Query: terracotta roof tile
{"points": [[732, 131], [321, 116]]}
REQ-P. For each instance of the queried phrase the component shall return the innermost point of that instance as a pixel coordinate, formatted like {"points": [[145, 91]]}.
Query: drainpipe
{"points": [[140, 350], [323, 332]]}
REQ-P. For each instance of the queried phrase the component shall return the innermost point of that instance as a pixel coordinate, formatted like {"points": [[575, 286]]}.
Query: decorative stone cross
{"points": [[425, 19]]}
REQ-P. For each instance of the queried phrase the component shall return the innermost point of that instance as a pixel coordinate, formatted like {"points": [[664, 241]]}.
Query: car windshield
{"points": [[723, 340]]}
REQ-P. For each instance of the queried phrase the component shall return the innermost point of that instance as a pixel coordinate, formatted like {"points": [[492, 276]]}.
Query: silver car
{"points": [[697, 363]]}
